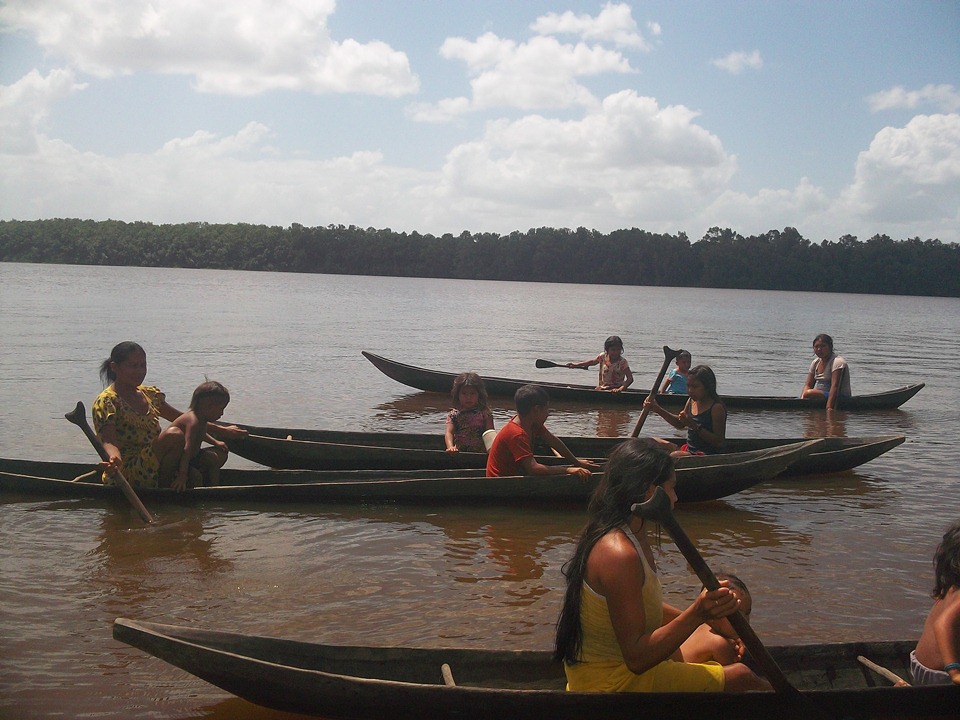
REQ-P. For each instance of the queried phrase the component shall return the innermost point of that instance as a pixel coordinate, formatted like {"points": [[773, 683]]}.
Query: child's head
{"points": [[529, 398], [121, 353], [739, 589], [703, 375], [613, 346], [946, 562], [469, 391], [683, 361], [209, 399]]}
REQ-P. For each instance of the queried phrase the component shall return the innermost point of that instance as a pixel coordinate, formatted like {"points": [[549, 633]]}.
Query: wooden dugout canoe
{"points": [[702, 481], [396, 683], [442, 382], [294, 448]]}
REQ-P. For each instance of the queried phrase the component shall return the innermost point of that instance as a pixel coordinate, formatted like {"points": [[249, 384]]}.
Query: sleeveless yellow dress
{"points": [[602, 668], [135, 433]]}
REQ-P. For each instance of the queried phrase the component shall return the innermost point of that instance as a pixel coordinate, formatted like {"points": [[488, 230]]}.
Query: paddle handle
{"points": [[78, 416], [668, 356]]}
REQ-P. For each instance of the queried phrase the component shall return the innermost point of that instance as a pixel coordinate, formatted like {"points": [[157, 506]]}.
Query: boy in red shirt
{"points": [[512, 450]]}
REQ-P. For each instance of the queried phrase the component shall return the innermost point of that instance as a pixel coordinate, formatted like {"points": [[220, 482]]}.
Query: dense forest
{"points": [[776, 260]]}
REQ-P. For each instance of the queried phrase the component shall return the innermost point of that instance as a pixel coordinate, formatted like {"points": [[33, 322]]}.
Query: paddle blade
{"points": [[546, 364]]}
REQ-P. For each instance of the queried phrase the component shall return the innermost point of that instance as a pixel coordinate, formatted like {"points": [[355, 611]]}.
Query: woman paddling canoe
{"points": [[615, 633]]}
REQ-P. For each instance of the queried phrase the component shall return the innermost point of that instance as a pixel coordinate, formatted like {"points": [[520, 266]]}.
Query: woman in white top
{"points": [[829, 376]]}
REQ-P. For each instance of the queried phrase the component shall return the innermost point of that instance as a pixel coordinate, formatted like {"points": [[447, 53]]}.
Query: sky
{"points": [[442, 116]]}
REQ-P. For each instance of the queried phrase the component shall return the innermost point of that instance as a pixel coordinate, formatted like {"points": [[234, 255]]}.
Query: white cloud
{"points": [[940, 97], [909, 174], [767, 209], [906, 184], [626, 163], [537, 74], [736, 62], [614, 24], [241, 47], [210, 178], [625, 160], [25, 104]]}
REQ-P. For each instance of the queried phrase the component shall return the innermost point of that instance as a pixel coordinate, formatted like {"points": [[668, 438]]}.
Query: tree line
{"points": [[722, 258]]}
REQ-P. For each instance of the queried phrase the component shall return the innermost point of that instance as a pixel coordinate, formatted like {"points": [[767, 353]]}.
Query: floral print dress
{"points": [[468, 427], [135, 433]]}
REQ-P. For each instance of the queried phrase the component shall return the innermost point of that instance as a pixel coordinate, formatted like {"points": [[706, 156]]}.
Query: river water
{"points": [[843, 557]]}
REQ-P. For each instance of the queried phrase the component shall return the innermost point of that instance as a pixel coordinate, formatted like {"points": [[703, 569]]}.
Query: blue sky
{"points": [[831, 117]]}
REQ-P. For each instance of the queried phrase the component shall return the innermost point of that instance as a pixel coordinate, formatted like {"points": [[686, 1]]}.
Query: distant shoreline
{"points": [[776, 260]]}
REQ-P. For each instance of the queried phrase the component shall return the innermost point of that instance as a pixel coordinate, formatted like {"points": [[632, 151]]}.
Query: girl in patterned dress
{"points": [[615, 375], [470, 416]]}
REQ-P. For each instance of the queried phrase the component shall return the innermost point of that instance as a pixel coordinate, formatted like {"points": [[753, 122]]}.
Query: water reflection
{"points": [[140, 564], [824, 423], [855, 489]]}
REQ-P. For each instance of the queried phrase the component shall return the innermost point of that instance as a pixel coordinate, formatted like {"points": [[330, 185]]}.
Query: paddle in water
{"points": [[658, 509], [78, 416], [668, 356], [549, 364]]}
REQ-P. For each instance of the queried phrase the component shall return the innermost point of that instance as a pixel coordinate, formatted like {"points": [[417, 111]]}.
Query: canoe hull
{"points": [[704, 480], [286, 448], [366, 683], [441, 382]]}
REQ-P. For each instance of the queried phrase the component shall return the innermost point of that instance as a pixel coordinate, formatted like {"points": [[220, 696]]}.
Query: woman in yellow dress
{"points": [[615, 633]]}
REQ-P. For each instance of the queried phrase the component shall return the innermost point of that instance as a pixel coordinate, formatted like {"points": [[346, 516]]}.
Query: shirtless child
{"points": [[936, 659], [178, 446]]}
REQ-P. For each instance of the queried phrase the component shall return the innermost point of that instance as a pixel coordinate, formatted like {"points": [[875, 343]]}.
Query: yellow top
{"points": [[602, 667], [135, 433]]}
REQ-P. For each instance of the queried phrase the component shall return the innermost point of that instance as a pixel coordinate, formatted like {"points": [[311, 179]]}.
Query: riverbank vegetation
{"points": [[722, 258]]}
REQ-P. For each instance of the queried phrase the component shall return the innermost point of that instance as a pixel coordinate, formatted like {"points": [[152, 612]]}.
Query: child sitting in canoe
{"points": [[470, 417], [676, 381], [178, 458], [716, 640], [936, 660], [704, 417], [512, 449], [615, 375]]}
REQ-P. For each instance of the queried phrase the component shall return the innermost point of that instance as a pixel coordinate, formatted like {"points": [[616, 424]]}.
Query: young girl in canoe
{"points": [[470, 416], [676, 381], [936, 660], [704, 417], [829, 376], [615, 633], [615, 375], [178, 457]]}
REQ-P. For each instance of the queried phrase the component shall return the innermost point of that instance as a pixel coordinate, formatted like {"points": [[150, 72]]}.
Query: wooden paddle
{"points": [[548, 364], [668, 356], [79, 418], [657, 508], [883, 672]]}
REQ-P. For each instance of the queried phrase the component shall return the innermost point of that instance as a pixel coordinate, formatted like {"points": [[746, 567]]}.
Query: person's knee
{"points": [[171, 439], [212, 458]]}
